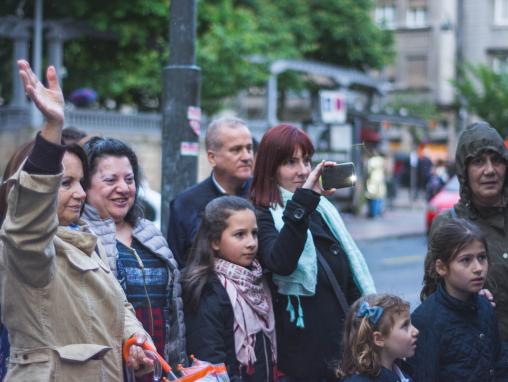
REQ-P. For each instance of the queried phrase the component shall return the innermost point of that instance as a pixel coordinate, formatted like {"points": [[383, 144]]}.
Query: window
{"points": [[384, 16], [416, 71], [416, 17], [501, 12], [500, 62]]}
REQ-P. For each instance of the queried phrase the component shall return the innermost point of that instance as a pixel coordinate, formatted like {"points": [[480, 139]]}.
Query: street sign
{"points": [[333, 106]]}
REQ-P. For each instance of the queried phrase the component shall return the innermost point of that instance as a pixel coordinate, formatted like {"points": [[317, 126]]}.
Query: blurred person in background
{"points": [[71, 134], [375, 185]]}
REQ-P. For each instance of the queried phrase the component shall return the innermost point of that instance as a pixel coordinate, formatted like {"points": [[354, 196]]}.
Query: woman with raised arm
{"points": [[66, 314]]}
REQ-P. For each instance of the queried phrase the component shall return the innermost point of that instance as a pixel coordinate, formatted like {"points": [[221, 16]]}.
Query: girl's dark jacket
{"points": [[210, 336], [312, 352], [385, 375], [458, 341]]}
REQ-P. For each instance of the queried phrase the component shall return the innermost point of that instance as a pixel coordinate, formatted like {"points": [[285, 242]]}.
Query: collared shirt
{"points": [[216, 183], [241, 191]]}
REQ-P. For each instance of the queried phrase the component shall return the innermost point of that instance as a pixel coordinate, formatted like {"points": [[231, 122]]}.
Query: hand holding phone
{"points": [[339, 176]]}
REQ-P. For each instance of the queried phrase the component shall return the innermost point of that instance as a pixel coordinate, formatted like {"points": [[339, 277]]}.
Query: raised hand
{"points": [[49, 100]]}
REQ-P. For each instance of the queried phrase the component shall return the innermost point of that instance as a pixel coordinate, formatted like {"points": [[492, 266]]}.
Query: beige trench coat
{"points": [[65, 312]]}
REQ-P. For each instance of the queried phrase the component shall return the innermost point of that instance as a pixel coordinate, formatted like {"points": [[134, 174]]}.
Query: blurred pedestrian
{"points": [[375, 185], [138, 254], [481, 158], [424, 167], [316, 269], [459, 339], [229, 312], [378, 338], [229, 150], [71, 134], [49, 260], [436, 181]]}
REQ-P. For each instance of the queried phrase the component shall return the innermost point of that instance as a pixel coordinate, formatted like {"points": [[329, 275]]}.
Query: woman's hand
{"points": [[49, 100], [138, 361], [488, 295], [313, 183]]}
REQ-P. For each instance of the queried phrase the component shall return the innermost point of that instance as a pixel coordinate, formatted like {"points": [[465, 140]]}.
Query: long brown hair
{"points": [[277, 146], [360, 353], [446, 241], [21, 153]]}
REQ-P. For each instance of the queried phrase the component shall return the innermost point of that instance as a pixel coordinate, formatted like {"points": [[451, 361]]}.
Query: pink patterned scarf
{"points": [[252, 307]]}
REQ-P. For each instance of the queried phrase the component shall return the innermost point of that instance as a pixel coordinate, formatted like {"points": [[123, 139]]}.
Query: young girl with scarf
{"points": [[228, 307]]}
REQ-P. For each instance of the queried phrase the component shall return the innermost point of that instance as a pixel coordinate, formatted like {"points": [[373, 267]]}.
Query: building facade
{"points": [[432, 39]]}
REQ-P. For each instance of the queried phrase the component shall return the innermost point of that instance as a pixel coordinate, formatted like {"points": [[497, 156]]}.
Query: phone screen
{"points": [[339, 176]]}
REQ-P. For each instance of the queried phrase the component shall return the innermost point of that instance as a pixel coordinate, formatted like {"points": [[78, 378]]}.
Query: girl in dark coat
{"points": [[459, 339], [229, 315], [378, 335]]}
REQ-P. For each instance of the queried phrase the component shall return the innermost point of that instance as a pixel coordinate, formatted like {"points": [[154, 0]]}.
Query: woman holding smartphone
{"points": [[317, 271]]}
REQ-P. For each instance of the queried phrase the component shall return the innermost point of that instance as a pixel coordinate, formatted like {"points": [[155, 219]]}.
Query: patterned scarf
{"points": [[252, 307]]}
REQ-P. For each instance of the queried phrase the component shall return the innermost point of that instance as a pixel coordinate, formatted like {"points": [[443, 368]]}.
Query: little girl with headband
{"points": [[377, 337]]}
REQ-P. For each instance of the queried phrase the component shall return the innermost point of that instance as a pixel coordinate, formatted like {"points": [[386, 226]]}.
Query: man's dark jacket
{"points": [[185, 215]]}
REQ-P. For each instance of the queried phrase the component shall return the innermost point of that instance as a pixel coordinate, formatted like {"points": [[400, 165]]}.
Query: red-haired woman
{"points": [[306, 247]]}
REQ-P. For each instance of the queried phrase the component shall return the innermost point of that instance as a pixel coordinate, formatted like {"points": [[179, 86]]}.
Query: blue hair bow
{"points": [[373, 313]]}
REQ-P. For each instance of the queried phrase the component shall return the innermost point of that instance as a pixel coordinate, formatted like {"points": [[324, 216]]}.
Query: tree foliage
{"points": [[485, 93], [231, 33]]}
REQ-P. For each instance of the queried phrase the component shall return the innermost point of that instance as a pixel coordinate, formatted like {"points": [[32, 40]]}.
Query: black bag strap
{"points": [[335, 285]]}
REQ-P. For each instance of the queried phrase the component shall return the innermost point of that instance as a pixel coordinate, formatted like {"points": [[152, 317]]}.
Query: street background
{"points": [[394, 245]]}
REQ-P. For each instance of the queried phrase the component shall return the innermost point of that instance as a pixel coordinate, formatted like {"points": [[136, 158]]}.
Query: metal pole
{"points": [[462, 110], [35, 114], [180, 106]]}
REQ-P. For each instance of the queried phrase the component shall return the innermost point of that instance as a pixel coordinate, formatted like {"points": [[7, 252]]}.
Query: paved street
{"points": [[394, 246], [397, 265]]}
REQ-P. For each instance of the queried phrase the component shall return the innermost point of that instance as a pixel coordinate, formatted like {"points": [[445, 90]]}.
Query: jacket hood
{"points": [[474, 140]]}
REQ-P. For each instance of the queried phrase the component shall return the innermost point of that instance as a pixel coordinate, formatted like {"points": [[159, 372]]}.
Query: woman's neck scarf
{"points": [[252, 307], [302, 282]]}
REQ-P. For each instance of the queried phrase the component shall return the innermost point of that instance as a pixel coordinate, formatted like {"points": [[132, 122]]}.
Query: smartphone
{"points": [[341, 175]]}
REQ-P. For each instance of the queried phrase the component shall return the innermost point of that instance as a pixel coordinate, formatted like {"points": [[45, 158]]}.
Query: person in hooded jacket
{"points": [[481, 159]]}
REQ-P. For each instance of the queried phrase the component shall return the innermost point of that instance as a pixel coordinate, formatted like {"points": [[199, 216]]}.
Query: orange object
{"points": [[145, 345]]}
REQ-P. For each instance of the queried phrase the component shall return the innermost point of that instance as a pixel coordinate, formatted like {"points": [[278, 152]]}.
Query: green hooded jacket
{"points": [[493, 221]]}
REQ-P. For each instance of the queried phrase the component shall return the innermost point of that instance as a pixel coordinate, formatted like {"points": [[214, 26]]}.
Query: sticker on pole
{"points": [[333, 106], [194, 119], [196, 127], [189, 149]]}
